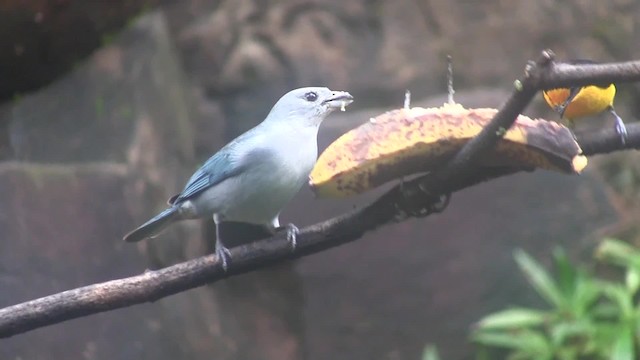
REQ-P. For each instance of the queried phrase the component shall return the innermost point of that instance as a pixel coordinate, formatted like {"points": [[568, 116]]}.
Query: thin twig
{"points": [[462, 163]]}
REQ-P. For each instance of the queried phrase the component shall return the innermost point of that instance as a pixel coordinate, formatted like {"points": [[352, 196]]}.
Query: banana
{"points": [[415, 140]]}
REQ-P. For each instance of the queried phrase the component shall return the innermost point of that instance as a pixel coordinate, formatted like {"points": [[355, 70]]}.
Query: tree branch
{"points": [[419, 197]]}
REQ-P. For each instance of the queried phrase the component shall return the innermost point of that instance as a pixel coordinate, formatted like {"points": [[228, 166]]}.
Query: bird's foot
{"points": [[224, 255], [622, 131], [292, 234], [620, 128]]}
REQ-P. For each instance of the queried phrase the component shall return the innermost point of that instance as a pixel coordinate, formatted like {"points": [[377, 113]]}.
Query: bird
{"points": [[254, 176], [576, 102]]}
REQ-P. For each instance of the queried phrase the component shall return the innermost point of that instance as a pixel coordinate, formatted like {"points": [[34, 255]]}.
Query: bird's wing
{"points": [[215, 170], [229, 162]]}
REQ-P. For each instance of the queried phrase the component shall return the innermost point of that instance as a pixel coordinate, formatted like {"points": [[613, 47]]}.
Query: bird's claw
{"points": [[224, 256], [620, 128], [442, 204], [622, 131], [292, 234], [426, 205]]}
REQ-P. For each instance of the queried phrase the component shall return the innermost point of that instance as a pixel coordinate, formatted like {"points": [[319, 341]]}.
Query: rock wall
{"points": [[41, 40]]}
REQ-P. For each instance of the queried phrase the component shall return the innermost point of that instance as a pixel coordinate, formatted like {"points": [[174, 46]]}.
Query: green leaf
{"points": [[530, 342], [565, 353], [512, 318], [587, 293], [637, 328], [483, 353], [569, 332], [430, 353], [606, 334], [567, 274], [605, 311], [632, 280], [623, 347], [620, 296], [524, 355], [619, 253], [540, 279]]}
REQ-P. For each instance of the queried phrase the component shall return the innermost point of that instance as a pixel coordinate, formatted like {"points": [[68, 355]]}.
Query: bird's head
{"points": [[308, 106]]}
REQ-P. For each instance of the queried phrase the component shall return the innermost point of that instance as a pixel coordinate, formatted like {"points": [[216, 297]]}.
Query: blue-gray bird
{"points": [[253, 177]]}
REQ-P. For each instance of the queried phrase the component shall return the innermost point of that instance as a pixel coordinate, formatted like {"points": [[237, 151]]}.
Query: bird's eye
{"points": [[311, 96]]}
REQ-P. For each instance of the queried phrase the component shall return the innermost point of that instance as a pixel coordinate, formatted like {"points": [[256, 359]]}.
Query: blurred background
{"points": [[107, 107]]}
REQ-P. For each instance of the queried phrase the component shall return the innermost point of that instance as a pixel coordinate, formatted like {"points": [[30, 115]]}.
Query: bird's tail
{"points": [[154, 226]]}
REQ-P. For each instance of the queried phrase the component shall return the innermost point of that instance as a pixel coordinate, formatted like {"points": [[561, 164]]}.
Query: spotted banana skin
{"points": [[416, 140]]}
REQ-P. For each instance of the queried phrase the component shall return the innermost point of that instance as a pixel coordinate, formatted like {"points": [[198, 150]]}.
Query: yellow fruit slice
{"points": [[409, 141]]}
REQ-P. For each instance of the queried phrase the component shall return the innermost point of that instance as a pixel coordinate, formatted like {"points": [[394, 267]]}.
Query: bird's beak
{"points": [[339, 99]]}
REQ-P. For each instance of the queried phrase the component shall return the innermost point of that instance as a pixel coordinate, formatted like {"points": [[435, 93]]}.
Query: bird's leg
{"points": [[620, 128], [223, 254], [291, 229]]}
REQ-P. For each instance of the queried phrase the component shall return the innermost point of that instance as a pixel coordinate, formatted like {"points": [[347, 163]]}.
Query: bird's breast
{"points": [[263, 191]]}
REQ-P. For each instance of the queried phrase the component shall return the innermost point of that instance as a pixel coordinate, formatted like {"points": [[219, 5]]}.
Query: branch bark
{"points": [[420, 197]]}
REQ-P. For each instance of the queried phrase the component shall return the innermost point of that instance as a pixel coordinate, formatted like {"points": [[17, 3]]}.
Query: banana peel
{"points": [[416, 140]]}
